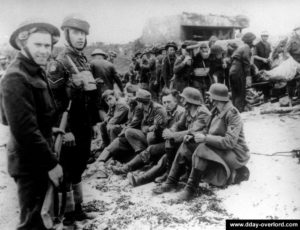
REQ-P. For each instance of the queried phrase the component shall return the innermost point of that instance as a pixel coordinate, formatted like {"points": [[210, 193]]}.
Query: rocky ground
{"points": [[272, 191]]}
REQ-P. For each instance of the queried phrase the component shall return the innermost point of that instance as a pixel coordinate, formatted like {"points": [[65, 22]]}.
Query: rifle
{"points": [[62, 126], [64, 118]]}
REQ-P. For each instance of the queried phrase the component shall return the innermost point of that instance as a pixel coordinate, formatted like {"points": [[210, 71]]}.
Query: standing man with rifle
{"points": [[71, 79], [28, 108]]}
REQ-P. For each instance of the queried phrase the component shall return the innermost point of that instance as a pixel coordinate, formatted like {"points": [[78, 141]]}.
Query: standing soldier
{"points": [[112, 55], [145, 65], [168, 63], [182, 70], [67, 75], [201, 79], [106, 77], [262, 51], [159, 62], [239, 72], [28, 108]]}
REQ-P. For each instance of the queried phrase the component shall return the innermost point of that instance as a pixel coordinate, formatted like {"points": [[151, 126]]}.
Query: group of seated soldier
{"points": [[181, 140]]}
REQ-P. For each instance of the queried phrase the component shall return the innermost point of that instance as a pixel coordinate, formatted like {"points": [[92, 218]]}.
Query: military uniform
{"points": [[157, 150], [120, 144], [239, 70], [28, 108], [83, 113], [154, 118], [106, 76], [117, 115], [182, 73], [152, 152], [168, 69], [224, 146], [187, 124], [201, 78]]}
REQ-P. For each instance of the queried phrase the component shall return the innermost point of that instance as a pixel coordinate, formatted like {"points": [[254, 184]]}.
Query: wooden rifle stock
{"points": [[62, 126]]}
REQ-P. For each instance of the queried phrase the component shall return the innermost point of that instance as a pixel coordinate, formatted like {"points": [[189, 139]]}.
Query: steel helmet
{"points": [[248, 37], [99, 52], [192, 96], [30, 26], [219, 92], [76, 22]]}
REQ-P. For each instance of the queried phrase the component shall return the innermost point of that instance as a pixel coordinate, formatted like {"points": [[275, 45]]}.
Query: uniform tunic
{"points": [[239, 70], [167, 70], [111, 127], [201, 79], [27, 107], [83, 113], [182, 73], [224, 147]]}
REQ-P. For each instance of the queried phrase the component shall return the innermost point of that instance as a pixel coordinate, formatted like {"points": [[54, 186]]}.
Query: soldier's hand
{"points": [[145, 129], [56, 175], [187, 138], [96, 131], [199, 137], [69, 140], [167, 134]]}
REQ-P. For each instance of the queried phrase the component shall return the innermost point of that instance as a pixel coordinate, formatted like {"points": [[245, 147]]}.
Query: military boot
{"points": [[79, 214], [164, 176], [184, 178], [128, 167], [190, 189], [172, 180], [147, 176]]}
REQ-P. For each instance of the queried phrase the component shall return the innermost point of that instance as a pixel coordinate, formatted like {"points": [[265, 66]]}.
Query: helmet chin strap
{"points": [[67, 36]]}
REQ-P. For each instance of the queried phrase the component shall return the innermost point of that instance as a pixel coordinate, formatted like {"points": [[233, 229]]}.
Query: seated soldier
{"points": [[120, 144], [221, 154], [153, 122], [155, 151], [116, 116], [194, 119]]}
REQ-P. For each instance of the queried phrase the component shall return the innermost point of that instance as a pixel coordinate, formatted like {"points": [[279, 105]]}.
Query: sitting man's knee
{"points": [[129, 132]]}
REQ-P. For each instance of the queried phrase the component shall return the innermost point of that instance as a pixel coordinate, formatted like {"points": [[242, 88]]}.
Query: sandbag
{"points": [[286, 71]]}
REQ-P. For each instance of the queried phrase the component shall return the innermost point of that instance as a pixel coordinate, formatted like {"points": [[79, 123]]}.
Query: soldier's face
{"points": [[40, 46], [264, 38], [169, 102], [111, 100], [128, 97], [204, 52], [77, 38], [171, 51]]}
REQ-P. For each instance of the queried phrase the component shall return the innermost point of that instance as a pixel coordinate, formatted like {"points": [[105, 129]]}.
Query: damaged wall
{"points": [[191, 26]]}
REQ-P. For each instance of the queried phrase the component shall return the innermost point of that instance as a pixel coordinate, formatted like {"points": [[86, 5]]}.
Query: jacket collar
{"points": [[150, 108], [73, 51], [225, 109], [29, 65], [173, 112]]}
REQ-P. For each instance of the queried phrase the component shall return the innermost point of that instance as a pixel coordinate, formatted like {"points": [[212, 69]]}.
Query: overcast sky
{"points": [[121, 21]]}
